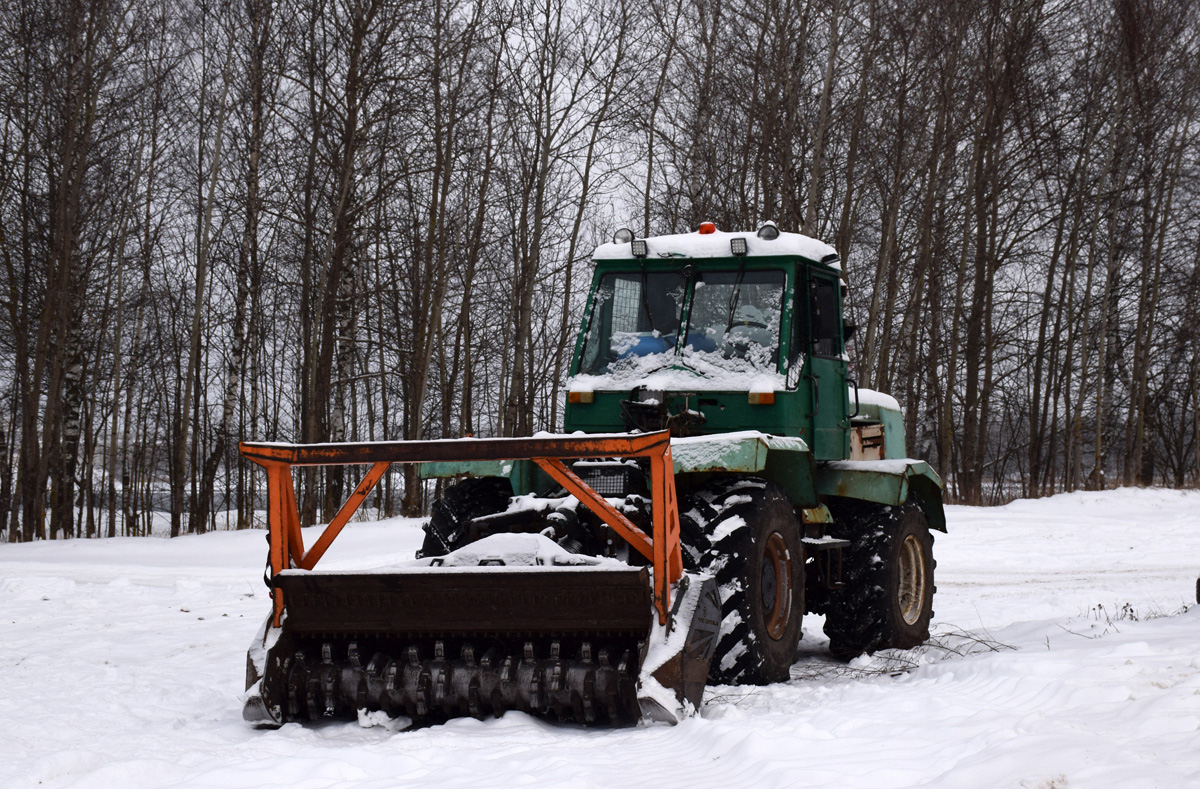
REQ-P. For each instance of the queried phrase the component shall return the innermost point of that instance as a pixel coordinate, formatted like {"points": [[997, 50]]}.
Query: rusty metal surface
{"points": [[602, 445]]}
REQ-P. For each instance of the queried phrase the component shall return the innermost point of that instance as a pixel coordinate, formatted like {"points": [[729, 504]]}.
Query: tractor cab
{"points": [[714, 332]]}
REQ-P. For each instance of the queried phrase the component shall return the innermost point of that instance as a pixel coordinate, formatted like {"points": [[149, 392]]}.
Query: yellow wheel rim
{"points": [[912, 580]]}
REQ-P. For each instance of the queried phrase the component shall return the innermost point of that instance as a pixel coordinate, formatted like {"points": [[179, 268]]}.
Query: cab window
{"points": [[823, 316]]}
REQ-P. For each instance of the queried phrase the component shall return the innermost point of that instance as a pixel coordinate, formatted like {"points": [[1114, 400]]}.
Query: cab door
{"points": [[825, 371]]}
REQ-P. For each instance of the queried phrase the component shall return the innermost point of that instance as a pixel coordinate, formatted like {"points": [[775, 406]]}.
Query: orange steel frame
{"points": [[283, 517]]}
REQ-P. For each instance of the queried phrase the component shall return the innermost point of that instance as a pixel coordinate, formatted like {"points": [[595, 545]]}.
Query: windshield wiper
{"points": [[735, 296], [645, 301]]}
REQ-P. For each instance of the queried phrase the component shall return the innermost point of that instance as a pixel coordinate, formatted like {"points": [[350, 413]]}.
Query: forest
{"points": [[328, 220]]}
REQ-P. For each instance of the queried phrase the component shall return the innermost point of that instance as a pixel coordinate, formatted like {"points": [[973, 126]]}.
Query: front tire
{"points": [[887, 600], [472, 497], [742, 531]]}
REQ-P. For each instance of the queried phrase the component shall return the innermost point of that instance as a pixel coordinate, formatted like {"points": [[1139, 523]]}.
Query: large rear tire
{"points": [[887, 599], [742, 531]]}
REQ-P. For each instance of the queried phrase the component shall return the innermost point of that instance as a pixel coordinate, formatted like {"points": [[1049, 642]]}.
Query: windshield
{"points": [[636, 315], [734, 321], [733, 325]]}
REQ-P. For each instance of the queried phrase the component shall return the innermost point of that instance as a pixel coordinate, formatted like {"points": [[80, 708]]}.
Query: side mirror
{"points": [[848, 330]]}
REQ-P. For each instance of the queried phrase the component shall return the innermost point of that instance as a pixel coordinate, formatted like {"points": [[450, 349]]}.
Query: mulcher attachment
{"points": [[565, 643], [574, 639]]}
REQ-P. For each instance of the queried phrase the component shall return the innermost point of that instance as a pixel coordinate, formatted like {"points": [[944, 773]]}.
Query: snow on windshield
{"points": [[734, 321], [731, 339], [636, 315]]}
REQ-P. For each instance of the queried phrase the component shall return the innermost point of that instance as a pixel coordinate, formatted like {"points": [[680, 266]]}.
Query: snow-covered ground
{"points": [[1063, 658]]}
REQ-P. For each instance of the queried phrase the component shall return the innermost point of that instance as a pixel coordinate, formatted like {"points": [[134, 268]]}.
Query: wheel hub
{"points": [[912, 580], [776, 585]]}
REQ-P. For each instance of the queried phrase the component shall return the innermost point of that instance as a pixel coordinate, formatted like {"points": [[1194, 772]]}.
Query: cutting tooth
{"points": [[473, 699], [535, 690], [586, 681], [423, 695], [310, 696], [389, 681], [297, 680], [441, 686], [589, 699]]}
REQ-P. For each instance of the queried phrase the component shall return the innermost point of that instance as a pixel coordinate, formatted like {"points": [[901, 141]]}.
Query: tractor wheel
{"points": [[742, 531], [472, 497], [887, 600]]}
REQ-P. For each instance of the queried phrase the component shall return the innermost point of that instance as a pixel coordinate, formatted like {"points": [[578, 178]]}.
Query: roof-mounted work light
{"points": [[768, 231], [638, 247], [737, 245], [623, 236]]}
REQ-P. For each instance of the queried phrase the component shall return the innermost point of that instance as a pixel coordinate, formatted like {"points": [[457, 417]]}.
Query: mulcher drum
{"points": [[431, 645]]}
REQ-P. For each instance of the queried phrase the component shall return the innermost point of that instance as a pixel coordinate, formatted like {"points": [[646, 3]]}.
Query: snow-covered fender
{"points": [[784, 460], [885, 482]]}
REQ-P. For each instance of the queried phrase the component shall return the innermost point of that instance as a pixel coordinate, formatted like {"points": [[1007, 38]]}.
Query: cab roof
{"points": [[716, 245]]}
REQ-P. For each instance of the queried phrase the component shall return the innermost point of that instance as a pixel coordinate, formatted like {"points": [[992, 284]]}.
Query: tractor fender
{"points": [[891, 482], [784, 460]]}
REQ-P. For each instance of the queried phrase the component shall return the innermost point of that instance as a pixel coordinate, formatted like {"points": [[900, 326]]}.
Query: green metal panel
{"points": [[825, 372], [784, 460], [828, 412], [525, 475], [893, 434], [474, 468], [885, 482], [724, 411]]}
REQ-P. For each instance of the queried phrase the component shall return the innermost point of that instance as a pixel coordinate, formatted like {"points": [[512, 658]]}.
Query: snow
{"points": [[893, 467], [1061, 658], [696, 453], [662, 372], [729, 525], [529, 550], [871, 397], [716, 245]]}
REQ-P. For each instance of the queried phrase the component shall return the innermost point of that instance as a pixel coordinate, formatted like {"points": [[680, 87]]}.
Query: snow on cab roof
{"points": [[716, 245]]}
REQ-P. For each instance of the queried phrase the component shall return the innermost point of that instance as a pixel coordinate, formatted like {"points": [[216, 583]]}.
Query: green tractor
{"points": [[795, 489], [720, 476]]}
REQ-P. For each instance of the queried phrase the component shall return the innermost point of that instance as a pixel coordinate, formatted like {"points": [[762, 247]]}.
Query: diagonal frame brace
{"points": [[343, 516], [597, 504]]}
